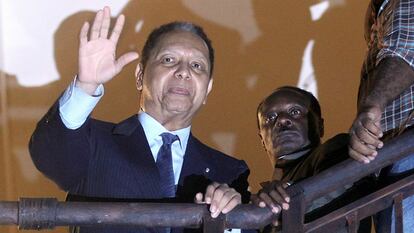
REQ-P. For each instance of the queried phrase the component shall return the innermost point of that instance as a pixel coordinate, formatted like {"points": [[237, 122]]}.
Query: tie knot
{"points": [[168, 138]]}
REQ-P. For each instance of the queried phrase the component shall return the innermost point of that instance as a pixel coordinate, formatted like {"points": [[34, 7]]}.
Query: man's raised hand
{"points": [[97, 55]]}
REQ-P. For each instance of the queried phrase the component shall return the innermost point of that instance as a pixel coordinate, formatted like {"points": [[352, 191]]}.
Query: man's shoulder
{"points": [[337, 142], [215, 155], [124, 127], [333, 151]]}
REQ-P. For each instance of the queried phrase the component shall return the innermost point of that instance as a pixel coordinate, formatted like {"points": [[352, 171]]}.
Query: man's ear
{"points": [[321, 127], [210, 85], [261, 139], [139, 74], [209, 88]]}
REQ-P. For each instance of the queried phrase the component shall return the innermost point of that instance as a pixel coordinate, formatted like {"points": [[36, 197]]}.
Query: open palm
{"points": [[97, 56]]}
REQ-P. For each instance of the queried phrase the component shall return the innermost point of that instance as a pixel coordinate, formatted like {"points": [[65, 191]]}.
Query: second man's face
{"points": [[284, 123], [177, 76]]}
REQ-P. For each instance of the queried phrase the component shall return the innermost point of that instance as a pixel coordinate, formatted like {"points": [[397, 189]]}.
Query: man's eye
{"points": [[271, 118], [197, 66], [295, 112], [167, 60]]}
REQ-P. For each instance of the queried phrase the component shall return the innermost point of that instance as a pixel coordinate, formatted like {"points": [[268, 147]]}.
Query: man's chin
{"points": [[287, 145], [287, 150], [178, 105]]}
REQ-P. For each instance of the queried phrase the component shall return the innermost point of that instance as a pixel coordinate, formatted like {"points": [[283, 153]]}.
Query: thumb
{"points": [[198, 199], [124, 60]]}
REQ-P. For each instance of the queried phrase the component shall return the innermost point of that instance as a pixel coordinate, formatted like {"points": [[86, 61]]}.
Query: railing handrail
{"points": [[350, 171], [47, 213]]}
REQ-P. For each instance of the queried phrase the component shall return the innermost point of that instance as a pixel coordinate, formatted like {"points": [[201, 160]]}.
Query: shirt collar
{"points": [[384, 3], [153, 129]]}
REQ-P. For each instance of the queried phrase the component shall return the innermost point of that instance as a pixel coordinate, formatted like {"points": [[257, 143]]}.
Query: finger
{"points": [[363, 132], [283, 193], [364, 149], [124, 60], [116, 32], [276, 223], [198, 199], [83, 35], [106, 21], [228, 195], [269, 202], [232, 203], [357, 156], [276, 196], [256, 201], [217, 198], [97, 23], [210, 191], [372, 124]]}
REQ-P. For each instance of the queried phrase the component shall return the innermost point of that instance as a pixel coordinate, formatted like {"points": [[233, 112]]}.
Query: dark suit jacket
{"points": [[107, 160]]}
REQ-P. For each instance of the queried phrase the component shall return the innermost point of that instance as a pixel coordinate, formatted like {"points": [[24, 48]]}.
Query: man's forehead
{"points": [[181, 42], [286, 97], [182, 38]]}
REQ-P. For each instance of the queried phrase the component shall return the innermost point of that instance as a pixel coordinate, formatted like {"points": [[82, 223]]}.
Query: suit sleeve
{"points": [[60, 153], [241, 184]]}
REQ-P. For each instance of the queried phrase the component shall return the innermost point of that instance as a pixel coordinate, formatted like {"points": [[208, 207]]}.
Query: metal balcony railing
{"points": [[46, 213]]}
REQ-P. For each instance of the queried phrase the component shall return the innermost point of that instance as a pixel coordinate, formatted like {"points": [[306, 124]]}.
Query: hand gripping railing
{"points": [[46, 213], [348, 172]]}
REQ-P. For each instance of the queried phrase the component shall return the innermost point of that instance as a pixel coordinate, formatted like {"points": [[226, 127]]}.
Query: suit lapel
{"points": [[137, 151], [195, 162]]}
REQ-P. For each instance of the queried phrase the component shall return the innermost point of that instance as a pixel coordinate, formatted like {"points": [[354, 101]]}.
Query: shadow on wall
{"points": [[244, 74]]}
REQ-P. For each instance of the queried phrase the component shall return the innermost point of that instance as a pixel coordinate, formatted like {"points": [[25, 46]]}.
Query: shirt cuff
{"points": [[406, 54], [75, 105], [232, 231]]}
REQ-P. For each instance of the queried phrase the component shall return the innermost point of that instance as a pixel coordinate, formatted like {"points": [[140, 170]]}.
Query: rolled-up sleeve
{"points": [[397, 30]]}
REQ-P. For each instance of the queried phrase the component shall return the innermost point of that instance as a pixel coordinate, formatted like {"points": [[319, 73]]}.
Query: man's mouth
{"points": [[178, 91], [287, 133]]}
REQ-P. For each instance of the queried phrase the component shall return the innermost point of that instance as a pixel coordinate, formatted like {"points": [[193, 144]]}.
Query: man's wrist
{"points": [[370, 107], [87, 87]]}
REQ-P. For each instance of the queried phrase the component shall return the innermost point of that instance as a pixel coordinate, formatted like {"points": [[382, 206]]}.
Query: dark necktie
{"points": [[165, 165]]}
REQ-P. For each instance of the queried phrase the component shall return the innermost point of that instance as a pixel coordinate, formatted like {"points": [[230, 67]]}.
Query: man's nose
{"points": [[284, 121], [182, 72]]}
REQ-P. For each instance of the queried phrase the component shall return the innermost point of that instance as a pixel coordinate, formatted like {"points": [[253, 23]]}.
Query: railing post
{"points": [[213, 225], [398, 210], [352, 221], [293, 218]]}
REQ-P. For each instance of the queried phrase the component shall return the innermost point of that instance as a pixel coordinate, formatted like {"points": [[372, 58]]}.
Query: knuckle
{"points": [[219, 192], [215, 184], [274, 193], [359, 131], [238, 197], [263, 196]]}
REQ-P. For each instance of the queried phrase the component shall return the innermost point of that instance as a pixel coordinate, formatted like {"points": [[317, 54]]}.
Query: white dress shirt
{"points": [[75, 106]]}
